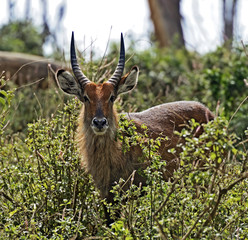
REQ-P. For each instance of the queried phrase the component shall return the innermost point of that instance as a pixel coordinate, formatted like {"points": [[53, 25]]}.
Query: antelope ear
{"points": [[68, 83], [128, 81]]}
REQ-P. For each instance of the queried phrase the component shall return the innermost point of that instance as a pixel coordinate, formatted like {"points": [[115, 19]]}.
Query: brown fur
{"points": [[101, 151], [102, 155]]}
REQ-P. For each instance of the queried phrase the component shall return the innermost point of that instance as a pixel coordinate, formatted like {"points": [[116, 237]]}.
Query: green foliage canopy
{"points": [[21, 36]]}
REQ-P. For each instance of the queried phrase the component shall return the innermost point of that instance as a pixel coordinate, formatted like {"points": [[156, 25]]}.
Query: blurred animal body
{"points": [[25, 69]]}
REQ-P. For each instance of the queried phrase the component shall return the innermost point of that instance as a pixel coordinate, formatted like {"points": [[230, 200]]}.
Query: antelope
{"points": [[101, 151]]}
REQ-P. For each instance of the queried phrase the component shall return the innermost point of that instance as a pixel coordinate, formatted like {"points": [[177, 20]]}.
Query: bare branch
{"points": [[246, 82], [193, 227], [222, 192], [162, 233]]}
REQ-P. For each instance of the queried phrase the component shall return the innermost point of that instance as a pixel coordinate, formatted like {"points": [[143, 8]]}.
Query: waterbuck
{"points": [[101, 151]]}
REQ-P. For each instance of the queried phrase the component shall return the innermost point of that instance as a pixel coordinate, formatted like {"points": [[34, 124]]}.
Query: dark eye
{"points": [[112, 98], [86, 99]]}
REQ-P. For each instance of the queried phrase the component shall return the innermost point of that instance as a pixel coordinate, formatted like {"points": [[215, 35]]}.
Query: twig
{"points": [[217, 109], [36, 210], [246, 82], [244, 48], [7, 197], [6, 125], [231, 222], [169, 194], [129, 58], [160, 228], [29, 84], [192, 228], [237, 109], [26, 64], [107, 64], [222, 192], [105, 52], [51, 69]]}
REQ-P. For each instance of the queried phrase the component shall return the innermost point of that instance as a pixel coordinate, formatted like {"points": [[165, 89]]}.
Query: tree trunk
{"points": [[27, 10], [166, 18], [229, 13], [11, 7]]}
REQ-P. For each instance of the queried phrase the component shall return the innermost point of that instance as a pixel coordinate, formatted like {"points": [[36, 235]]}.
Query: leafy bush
{"points": [[30, 104], [5, 101], [44, 191], [45, 194], [201, 201], [21, 36]]}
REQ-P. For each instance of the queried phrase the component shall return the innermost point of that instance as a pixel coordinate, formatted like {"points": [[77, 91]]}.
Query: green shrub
{"points": [[5, 101], [201, 201], [30, 104], [45, 194], [44, 191], [21, 36]]}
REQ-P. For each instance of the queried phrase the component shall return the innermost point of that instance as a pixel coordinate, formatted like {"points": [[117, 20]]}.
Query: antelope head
{"points": [[98, 98]]}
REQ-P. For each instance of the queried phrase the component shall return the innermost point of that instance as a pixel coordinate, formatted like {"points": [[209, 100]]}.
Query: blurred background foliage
{"points": [[21, 36], [166, 75], [173, 74]]}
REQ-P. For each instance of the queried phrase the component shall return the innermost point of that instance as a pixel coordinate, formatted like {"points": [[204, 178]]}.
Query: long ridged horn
{"points": [[82, 79], [120, 67]]}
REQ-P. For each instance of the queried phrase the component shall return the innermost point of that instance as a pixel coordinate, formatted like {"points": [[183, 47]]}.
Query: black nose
{"points": [[99, 122]]}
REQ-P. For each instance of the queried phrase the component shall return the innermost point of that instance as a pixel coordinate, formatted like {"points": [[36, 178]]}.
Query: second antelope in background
{"points": [[101, 151]]}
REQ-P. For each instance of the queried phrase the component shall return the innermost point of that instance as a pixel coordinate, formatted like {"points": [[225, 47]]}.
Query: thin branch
{"points": [[51, 69], [237, 109], [222, 192], [7, 197], [246, 53], [162, 233], [105, 52], [30, 84], [193, 227], [246, 82], [26, 64], [169, 194], [231, 222]]}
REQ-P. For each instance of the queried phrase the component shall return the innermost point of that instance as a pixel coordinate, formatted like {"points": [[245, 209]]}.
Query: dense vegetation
{"points": [[21, 36], [45, 194]]}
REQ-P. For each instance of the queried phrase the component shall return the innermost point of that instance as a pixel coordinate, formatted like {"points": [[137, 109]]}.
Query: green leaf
{"points": [[13, 212], [4, 93], [2, 101], [234, 151], [213, 155]]}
